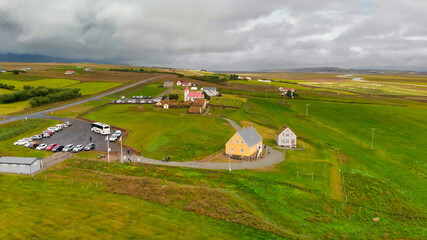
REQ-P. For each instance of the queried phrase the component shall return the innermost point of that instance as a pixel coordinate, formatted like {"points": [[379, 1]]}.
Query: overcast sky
{"points": [[221, 34]]}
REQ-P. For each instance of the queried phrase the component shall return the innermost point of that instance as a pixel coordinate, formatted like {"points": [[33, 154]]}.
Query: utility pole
{"points": [[121, 149], [372, 143], [108, 148], [306, 109]]}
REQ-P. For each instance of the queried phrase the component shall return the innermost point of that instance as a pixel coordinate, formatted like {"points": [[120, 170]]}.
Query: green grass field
{"points": [[54, 83], [150, 90], [88, 88], [157, 132], [13, 107]]}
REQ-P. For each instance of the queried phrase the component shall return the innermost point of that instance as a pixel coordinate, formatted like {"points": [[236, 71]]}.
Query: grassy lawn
{"points": [[150, 90], [54, 83], [157, 133], [88, 88], [11, 132]]}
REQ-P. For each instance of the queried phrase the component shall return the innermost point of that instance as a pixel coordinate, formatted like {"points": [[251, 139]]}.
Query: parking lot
{"points": [[79, 133]]}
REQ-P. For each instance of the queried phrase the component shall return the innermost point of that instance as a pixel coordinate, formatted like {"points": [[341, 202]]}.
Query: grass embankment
{"points": [[58, 208], [158, 132], [11, 132]]}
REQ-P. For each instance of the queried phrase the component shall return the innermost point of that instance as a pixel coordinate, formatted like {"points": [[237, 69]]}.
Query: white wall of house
{"points": [[287, 138]]}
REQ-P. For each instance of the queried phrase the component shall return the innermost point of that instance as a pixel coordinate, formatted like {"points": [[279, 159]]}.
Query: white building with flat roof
{"points": [[25, 165]]}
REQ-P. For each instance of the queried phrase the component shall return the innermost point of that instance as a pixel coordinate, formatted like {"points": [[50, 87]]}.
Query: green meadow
{"points": [[53, 83], [89, 88], [157, 132]]}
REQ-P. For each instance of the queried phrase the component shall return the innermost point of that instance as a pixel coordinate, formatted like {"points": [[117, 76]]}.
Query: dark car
{"points": [[34, 145], [57, 148], [90, 146]]}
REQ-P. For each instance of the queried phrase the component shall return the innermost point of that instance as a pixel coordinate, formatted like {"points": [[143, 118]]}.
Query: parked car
{"points": [[51, 146], [59, 126], [118, 133], [142, 101], [28, 144], [34, 145], [68, 148], [67, 123], [78, 148], [41, 146], [46, 134], [64, 125], [52, 129], [58, 148], [113, 138], [20, 142], [36, 137], [89, 147], [57, 129]]}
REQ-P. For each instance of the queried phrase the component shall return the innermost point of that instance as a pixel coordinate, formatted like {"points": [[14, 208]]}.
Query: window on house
{"points": [[287, 134], [287, 141], [231, 140], [241, 150], [231, 149], [237, 141]]}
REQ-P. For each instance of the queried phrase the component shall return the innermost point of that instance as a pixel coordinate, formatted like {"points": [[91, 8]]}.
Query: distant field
{"points": [[11, 132], [19, 77], [54, 83], [151, 90], [13, 107], [158, 133], [88, 88]]}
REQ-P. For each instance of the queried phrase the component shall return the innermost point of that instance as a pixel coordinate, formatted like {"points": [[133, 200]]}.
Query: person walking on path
{"points": [[90, 139], [128, 150]]}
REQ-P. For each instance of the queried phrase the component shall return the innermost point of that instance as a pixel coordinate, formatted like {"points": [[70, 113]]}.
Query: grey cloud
{"points": [[222, 34]]}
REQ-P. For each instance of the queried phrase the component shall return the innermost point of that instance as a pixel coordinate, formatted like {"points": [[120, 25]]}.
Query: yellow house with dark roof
{"points": [[246, 143]]}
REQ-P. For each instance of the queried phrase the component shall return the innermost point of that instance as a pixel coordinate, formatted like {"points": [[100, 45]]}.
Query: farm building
{"points": [[192, 95], [245, 144], [210, 91], [286, 138], [168, 84], [2, 70], [200, 102], [165, 106], [70, 72], [88, 70], [182, 83], [23, 165], [195, 110]]}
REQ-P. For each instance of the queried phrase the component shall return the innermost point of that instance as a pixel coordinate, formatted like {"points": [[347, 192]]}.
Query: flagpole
{"points": [[121, 149]]}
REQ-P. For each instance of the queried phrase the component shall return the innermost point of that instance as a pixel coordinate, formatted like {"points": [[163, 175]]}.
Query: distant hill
{"points": [[37, 58]]}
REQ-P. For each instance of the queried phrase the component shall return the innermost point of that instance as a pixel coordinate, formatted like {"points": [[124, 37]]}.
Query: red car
{"points": [[51, 146]]}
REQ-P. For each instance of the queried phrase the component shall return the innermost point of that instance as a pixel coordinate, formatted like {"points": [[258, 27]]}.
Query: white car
{"points": [[41, 147], [36, 137], [67, 123], [59, 126], [113, 138], [20, 142], [52, 129], [68, 148], [118, 132], [28, 144], [78, 148]]}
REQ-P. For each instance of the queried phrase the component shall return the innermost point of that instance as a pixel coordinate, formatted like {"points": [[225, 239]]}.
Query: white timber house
{"points": [[286, 138]]}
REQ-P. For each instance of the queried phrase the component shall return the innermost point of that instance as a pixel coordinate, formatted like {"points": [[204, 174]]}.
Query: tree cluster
{"points": [[8, 87], [40, 95]]}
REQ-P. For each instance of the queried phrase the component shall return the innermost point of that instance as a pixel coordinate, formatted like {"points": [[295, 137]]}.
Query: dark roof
{"points": [[283, 129], [209, 88], [250, 136], [18, 160]]}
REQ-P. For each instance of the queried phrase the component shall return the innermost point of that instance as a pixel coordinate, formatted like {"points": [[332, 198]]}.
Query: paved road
{"points": [[42, 114]]}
